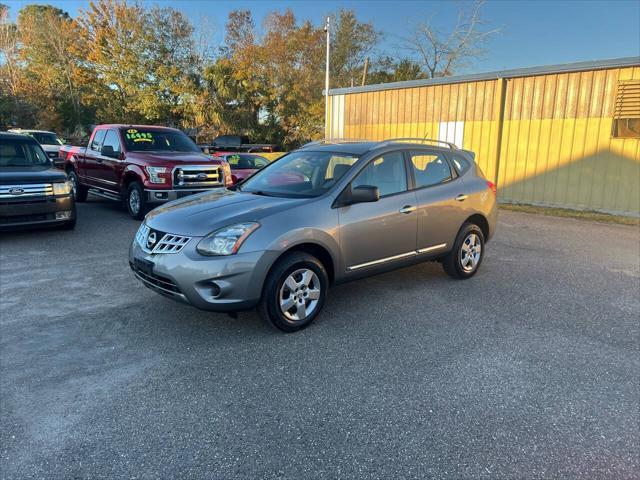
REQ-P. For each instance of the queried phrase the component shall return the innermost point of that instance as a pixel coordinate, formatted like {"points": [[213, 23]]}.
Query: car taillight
{"points": [[493, 187]]}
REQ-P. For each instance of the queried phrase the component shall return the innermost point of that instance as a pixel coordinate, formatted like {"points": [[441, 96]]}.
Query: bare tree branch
{"points": [[441, 54]]}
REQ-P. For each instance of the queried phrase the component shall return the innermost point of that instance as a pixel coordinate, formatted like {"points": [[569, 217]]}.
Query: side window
{"points": [[386, 172], [112, 140], [98, 138], [430, 168], [461, 164]]}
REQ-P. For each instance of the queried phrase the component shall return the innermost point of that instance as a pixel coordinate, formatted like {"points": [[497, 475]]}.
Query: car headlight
{"points": [[62, 188], [154, 174], [227, 240]]}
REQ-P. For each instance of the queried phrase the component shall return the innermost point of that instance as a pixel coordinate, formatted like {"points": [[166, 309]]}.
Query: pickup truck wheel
{"points": [[294, 292], [136, 201], [466, 256], [79, 192]]}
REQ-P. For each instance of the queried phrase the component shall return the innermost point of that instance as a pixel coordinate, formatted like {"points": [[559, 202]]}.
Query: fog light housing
{"points": [[63, 215], [161, 195], [215, 289]]}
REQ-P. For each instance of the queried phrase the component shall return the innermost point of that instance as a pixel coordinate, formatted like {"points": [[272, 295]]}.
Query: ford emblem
{"points": [[16, 191], [202, 176]]}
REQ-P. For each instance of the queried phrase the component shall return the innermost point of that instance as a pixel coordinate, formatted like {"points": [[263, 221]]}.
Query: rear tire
{"points": [[80, 192], [464, 260], [294, 292], [135, 201]]}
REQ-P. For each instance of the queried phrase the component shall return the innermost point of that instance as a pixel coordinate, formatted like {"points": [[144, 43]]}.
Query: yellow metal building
{"points": [[561, 135]]}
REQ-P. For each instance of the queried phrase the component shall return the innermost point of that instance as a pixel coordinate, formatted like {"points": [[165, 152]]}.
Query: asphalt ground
{"points": [[528, 370]]}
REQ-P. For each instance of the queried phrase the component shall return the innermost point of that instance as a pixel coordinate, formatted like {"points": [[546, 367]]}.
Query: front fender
{"points": [[130, 170]]}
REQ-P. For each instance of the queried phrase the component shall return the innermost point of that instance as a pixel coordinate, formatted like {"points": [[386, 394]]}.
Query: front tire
{"points": [[294, 292], [135, 201], [464, 259]]}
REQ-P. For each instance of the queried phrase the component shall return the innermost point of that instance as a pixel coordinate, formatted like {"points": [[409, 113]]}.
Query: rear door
{"points": [[112, 166], [381, 233], [92, 160], [440, 195]]}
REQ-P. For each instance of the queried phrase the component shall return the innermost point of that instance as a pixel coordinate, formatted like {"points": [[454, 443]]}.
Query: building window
{"points": [[626, 116]]}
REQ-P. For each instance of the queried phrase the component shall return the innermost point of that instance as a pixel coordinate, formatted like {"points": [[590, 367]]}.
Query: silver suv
{"points": [[329, 212]]}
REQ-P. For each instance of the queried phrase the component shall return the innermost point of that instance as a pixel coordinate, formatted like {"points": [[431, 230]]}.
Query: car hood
{"points": [[174, 158], [200, 214], [31, 174]]}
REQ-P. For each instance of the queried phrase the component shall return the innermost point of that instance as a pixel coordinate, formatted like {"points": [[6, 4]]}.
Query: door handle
{"points": [[99, 160], [408, 209], [461, 198]]}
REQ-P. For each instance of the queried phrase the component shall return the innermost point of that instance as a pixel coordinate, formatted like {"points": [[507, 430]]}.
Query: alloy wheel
{"points": [[470, 252], [299, 295], [134, 201]]}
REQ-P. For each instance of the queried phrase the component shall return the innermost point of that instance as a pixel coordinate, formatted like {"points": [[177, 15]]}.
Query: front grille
{"points": [[29, 190], [202, 176], [40, 217], [156, 282], [164, 242]]}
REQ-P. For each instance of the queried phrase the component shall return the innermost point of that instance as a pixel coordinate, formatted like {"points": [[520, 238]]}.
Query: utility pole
{"points": [[364, 73], [326, 81]]}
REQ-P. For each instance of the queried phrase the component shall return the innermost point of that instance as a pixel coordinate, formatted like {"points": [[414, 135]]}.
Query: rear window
{"points": [[461, 164], [46, 138]]}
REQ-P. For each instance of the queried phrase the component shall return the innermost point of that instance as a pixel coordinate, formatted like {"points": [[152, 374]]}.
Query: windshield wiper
{"points": [[260, 192]]}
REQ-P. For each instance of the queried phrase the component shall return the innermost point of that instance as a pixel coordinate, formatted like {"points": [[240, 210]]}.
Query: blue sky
{"points": [[533, 32]]}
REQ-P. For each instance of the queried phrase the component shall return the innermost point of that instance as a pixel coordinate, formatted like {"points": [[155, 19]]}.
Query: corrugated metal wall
{"points": [[546, 139]]}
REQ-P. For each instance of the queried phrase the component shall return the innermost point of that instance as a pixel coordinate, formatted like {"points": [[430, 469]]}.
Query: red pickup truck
{"points": [[141, 165]]}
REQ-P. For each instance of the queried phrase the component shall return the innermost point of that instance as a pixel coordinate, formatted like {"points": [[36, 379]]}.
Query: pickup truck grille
{"points": [[202, 176], [29, 190]]}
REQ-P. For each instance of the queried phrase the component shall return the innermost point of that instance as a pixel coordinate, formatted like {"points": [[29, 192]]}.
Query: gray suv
{"points": [[330, 212]]}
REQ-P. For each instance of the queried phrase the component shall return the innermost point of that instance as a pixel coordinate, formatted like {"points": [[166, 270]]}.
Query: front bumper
{"points": [[219, 284], [161, 196], [34, 211]]}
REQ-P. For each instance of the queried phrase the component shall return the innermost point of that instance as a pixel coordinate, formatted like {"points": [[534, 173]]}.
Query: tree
{"points": [[50, 59], [387, 69], [441, 54], [13, 107], [351, 42], [142, 61]]}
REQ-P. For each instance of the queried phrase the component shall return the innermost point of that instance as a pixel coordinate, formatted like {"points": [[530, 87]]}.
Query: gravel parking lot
{"points": [[529, 370]]}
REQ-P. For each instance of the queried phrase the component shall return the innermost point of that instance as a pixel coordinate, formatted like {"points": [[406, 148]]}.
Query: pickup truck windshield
{"points": [[18, 153], [300, 174], [151, 140]]}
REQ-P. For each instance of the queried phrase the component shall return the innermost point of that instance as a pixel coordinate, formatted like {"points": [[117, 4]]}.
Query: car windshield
{"points": [[243, 161], [300, 174], [20, 153], [152, 140], [46, 138]]}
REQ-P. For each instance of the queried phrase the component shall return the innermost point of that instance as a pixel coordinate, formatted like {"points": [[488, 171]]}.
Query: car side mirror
{"points": [[58, 162], [107, 151], [360, 194]]}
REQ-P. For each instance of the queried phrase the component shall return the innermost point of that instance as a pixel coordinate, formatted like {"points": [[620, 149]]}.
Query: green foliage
{"points": [[132, 63]]}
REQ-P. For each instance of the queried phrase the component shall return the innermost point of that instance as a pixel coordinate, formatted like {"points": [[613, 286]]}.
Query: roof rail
{"points": [[420, 140], [329, 141]]}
